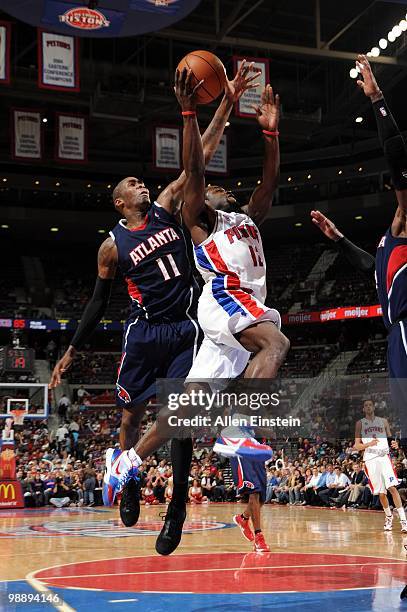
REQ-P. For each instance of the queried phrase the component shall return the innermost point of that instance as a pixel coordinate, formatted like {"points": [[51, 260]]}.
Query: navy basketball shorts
{"points": [[249, 476], [397, 364], [151, 351]]}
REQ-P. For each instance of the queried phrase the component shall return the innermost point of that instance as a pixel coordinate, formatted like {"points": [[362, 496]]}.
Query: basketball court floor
{"points": [[84, 559]]}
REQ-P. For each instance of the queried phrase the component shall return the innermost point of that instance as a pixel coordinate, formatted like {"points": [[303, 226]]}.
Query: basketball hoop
{"points": [[18, 416]]}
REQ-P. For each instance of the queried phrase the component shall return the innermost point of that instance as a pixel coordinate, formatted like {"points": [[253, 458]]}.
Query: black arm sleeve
{"points": [[361, 260], [395, 151], [94, 311]]}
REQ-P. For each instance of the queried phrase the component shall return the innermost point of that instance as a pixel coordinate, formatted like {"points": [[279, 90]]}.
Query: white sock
{"points": [[388, 512], [401, 513], [134, 457]]}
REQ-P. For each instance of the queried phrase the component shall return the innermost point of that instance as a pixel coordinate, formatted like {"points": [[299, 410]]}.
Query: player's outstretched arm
{"points": [[173, 195], [194, 210], [94, 310], [268, 117], [360, 259], [391, 139]]}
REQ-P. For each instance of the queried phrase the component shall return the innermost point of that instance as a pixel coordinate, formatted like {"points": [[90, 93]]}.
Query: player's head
{"points": [[131, 195], [219, 199], [368, 407]]}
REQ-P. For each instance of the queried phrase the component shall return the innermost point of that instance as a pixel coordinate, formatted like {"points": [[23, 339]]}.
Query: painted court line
{"points": [[223, 569]]}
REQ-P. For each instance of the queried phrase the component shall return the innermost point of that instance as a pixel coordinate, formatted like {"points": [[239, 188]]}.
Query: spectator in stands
{"points": [[310, 489], [81, 394], [169, 490], [89, 485], [296, 483], [63, 406], [351, 494], [60, 434], [38, 490], [148, 497], [219, 491], [207, 484], [158, 487], [273, 481]]}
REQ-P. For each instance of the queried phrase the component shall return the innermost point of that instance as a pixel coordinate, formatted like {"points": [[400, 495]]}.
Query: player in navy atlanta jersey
{"points": [[161, 333], [391, 257]]}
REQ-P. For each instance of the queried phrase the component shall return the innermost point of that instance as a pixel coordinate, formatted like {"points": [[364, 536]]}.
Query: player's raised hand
{"points": [[242, 82], [268, 112], [62, 366], [326, 226], [185, 90], [368, 82]]}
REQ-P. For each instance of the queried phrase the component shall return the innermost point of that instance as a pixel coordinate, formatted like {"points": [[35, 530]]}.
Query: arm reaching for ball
{"points": [[173, 195]]}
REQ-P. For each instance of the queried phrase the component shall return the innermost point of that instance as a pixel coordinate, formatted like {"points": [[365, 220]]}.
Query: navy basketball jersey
{"points": [[154, 262], [391, 277]]}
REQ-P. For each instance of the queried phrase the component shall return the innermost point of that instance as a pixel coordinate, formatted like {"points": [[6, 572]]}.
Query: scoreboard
{"points": [[16, 359]]}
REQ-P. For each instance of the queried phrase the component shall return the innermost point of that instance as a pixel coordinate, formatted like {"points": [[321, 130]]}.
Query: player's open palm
{"points": [[242, 82], [326, 226], [62, 366], [268, 112], [368, 82]]}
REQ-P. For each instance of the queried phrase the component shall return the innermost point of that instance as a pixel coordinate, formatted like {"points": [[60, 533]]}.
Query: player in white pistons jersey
{"points": [[229, 254], [371, 436]]}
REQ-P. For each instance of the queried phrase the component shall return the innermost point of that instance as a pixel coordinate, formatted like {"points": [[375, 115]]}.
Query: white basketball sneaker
{"points": [[403, 526], [388, 523]]}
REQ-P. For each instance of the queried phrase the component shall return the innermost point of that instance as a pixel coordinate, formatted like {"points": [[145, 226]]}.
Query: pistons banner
{"points": [[58, 61], [219, 162], [71, 138], [27, 134], [166, 148], [5, 37], [252, 96]]}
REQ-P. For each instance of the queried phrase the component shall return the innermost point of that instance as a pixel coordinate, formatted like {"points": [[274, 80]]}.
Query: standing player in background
{"points": [[391, 256], [228, 252], [161, 335], [371, 436]]}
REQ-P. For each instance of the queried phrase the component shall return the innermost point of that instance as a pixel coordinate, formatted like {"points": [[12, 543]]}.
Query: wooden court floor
{"points": [[76, 559]]}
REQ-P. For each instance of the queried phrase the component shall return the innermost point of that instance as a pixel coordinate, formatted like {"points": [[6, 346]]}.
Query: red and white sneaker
{"points": [[260, 543], [244, 527]]}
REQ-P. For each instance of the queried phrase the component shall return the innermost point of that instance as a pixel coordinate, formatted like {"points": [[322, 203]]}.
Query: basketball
{"points": [[205, 65]]}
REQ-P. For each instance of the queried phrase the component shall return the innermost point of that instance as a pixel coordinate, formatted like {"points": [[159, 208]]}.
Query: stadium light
{"points": [[298, 225], [45, 120], [353, 73], [391, 37], [340, 172], [360, 169], [359, 119], [383, 43], [227, 124], [289, 179], [397, 31], [375, 51], [239, 183], [5, 226], [4, 180], [358, 217], [54, 229], [101, 231], [309, 176], [403, 25]]}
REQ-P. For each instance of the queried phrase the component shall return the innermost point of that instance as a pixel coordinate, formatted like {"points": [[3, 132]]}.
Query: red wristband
{"points": [[268, 133], [188, 113]]}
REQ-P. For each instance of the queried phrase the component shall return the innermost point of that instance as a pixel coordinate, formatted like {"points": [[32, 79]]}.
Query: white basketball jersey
{"points": [[370, 430], [232, 255]]}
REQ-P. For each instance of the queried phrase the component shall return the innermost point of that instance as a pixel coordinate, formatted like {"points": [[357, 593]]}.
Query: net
{"points": [[18, 416], [29, 397]]}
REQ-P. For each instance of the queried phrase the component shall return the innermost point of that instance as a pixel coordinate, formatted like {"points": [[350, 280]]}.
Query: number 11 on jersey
{"points": [[170, 270]]}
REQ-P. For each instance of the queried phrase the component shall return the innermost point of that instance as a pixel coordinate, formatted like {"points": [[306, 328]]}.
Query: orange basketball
{"points": [[205, 65]]}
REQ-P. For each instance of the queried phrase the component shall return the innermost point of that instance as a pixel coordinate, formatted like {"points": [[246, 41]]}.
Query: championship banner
{"points": [[243, 106], [5, 38], [333, 314], [58, 61], [219, 162], [166, 148], [71, 138], [11, 495], [27, 134]]}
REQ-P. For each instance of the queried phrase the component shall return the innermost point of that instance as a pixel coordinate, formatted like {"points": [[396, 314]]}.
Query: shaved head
{"points": [[117, 191]]}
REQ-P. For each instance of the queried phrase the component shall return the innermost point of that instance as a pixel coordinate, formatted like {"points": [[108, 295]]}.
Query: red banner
{"points": [[333, 314], [11, 495], [7, 461]]}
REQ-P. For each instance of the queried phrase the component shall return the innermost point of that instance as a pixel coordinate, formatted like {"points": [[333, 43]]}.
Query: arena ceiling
{"points": [[311, 44]]}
